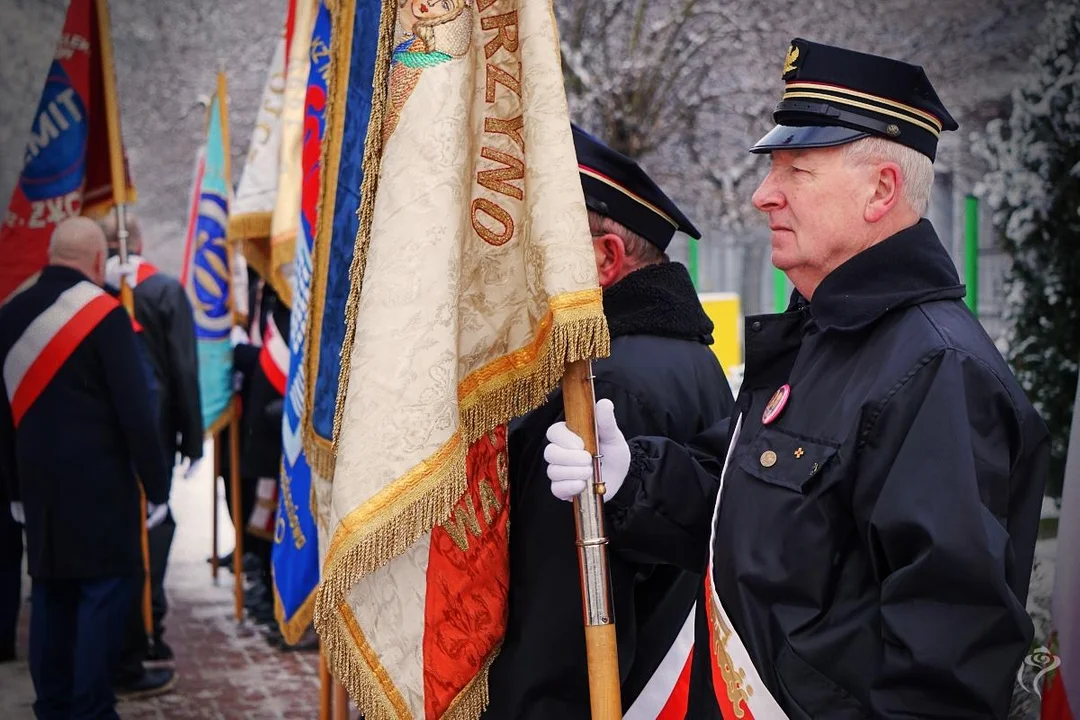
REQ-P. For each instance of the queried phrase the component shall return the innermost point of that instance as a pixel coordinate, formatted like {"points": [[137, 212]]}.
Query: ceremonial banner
{"points": [[295, 556], [1061, 689], [208, 279], [66, 170], [473, 285], [257, 191], [351, 77]]}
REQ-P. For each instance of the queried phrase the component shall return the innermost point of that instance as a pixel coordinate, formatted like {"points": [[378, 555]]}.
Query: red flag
{"points": [[66, 170]]}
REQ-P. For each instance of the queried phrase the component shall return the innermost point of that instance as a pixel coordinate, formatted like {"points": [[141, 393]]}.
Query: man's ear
{"points": [[610, 258], [887, 192]]}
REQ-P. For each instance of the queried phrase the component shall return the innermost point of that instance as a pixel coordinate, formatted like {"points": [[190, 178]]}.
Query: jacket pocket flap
{"points": [[785, 460]]}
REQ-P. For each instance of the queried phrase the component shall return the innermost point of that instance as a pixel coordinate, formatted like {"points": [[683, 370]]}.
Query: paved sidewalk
{"points": [[225, 671]]}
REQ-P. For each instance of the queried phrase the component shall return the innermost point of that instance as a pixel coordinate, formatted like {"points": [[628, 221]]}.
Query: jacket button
{"points": [[756, 326], [768, 459]]}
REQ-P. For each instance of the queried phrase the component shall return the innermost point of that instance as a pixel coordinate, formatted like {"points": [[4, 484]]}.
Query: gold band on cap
{"points": [[882, 105], [611, 183]]}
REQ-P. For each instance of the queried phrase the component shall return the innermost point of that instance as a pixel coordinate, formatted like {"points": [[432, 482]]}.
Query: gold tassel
{"points": [[249, 226]]}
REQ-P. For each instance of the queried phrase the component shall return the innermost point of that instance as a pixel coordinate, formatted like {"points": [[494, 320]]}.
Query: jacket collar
{"points": [[61, 273], [908, 268], [657, 300]]}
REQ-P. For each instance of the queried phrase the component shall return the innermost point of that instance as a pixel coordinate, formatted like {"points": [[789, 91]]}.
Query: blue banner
{"points": [[295, 556], [336, 235], [208, 281]]}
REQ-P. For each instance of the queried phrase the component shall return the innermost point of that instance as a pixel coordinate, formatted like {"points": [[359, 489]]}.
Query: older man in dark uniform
{"points": [[663, 379], [871, 509], [77, 437]]}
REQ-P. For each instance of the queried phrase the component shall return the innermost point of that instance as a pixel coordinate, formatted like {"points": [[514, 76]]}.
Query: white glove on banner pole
{"points": [[570, 466]]}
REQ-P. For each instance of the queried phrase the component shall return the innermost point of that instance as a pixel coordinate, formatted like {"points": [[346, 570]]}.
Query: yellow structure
{"points": [[724, 310]]}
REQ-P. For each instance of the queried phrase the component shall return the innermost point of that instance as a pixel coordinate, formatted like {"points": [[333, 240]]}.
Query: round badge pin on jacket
{"points": [[776, 404]]}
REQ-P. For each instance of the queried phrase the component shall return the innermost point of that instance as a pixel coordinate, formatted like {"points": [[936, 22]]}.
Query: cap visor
{"points": [[785, 137]]}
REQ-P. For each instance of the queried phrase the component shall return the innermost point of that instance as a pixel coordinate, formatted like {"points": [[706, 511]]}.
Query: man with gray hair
{"points": [[76, 439], [866, 520], [167, 332]]}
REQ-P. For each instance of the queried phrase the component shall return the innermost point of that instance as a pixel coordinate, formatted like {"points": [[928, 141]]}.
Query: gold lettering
{"points": [[502, 464], [507, 38], [463, 522], [495, 212], [513, 169], [488, 501], [510, 128], [496, 75]]}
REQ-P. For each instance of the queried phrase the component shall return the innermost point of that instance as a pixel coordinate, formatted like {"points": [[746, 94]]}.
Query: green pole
{"points": [[780, 291], [971, 253], [692, 261]]}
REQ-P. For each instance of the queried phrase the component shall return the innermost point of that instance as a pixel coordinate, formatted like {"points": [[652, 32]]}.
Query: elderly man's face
{"points": [[815, 202]]}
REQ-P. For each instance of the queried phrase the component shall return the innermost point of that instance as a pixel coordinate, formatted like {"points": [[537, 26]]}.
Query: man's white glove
{"points": [[17, 513], [155, 514], [570, 464], [115, 270]]}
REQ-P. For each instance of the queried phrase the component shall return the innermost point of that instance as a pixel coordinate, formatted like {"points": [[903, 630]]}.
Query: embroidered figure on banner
{"points": [[428, 33]]}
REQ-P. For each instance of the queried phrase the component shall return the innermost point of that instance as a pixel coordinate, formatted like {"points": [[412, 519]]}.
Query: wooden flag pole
{"points": [[326, 684], [341, 702], [234, 421], [213, 484], [601, 651], [238, 526], [118, 180]]}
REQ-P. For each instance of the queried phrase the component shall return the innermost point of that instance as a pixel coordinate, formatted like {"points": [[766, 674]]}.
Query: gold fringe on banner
{"points": [[249, 226], [293, 629], [373, 147], [320, 450]]}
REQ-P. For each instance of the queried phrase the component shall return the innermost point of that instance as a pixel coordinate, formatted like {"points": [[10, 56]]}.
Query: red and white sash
{"points": [[274, 356], [667, 693], [739, 690], [48, 342]]}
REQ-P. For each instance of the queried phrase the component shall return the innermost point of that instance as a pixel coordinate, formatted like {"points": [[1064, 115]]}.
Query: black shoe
{"points": [[224, 561], [263, 613], [151, 684], [255, 595], [308, 642], [8, 655], [159, 655]]}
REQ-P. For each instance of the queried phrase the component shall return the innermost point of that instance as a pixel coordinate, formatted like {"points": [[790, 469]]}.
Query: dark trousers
{"points": [[130, 667], [76, 630], [11, 553]]}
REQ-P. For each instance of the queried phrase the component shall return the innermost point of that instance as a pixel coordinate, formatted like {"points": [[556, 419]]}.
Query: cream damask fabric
{"points": [[479, 286]]}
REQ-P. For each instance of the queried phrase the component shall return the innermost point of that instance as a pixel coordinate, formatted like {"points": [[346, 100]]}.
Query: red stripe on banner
{"points": [[1055, 701], [468, 578], [675, 707], [272, 371], [57, 351]]}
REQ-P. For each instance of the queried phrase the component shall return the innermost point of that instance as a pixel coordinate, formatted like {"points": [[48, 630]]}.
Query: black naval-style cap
{"points": [[617, 187], [834, 96]]}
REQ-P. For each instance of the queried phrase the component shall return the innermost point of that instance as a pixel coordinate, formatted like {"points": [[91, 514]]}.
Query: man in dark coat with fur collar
{"points": [[663, 379]]}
